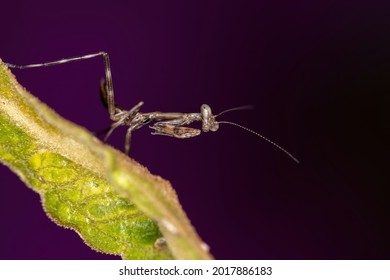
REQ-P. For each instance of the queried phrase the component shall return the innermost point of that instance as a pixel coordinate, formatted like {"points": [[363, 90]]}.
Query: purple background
{"points": [[317, 72]]}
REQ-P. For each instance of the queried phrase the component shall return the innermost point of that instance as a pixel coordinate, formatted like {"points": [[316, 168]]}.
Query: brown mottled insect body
{"points": [[173, 124]]}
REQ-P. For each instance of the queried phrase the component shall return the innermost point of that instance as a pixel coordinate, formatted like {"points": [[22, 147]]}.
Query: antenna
{"points": [[263, 137], [245, 107]]}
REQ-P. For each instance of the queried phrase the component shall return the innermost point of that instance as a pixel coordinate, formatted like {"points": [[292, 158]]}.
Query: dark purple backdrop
{"points": [[317, 73]]}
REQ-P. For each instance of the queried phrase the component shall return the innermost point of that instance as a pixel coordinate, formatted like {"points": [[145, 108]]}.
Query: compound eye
{"points": [[207, 118], [214, 127], [205, 111]]}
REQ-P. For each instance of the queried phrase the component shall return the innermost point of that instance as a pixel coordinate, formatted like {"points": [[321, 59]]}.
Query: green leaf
{"points": [[111, 201]]}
